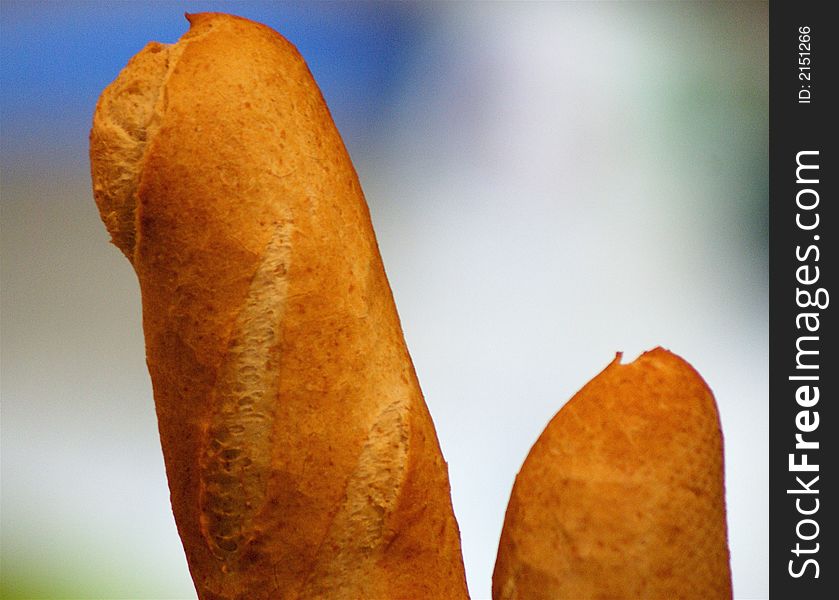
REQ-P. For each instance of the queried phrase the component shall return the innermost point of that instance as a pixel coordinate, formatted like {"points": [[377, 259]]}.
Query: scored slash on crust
{"points": [[237, 448]]}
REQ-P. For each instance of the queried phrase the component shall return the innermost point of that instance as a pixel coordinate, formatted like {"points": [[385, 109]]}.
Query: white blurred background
{"points": [[550, 184]]}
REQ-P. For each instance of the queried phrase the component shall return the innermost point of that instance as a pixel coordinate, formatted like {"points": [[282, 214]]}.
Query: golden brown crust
{"points": [[301, 457], [622, 495]]}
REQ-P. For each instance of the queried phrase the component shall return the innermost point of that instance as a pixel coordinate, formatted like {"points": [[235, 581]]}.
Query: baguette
{"points": [[622, 494], [301, 458]]}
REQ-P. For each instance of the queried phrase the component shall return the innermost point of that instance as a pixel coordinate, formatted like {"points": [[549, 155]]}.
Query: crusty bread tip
{"points": [[301, 458], [622, 495]]}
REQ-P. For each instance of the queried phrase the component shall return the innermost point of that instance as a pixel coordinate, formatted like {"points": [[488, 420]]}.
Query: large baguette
{"points": [[301, 458], [622, 494]]}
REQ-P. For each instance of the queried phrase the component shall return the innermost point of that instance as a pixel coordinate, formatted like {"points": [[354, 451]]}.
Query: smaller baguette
{"points": [[622, 495]]}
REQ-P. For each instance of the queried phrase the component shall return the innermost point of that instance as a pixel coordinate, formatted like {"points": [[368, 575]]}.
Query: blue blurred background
{"points": [[550, 183]]}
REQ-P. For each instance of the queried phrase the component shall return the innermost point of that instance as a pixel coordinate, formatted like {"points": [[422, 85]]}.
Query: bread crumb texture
{"points": [[622, 495]]}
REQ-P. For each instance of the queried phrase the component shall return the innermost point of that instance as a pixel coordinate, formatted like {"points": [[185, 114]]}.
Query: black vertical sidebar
{"points": [[803, 362]]}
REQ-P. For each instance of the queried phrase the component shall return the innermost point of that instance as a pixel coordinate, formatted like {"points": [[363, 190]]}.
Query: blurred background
{"points": [[550, 183]]}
